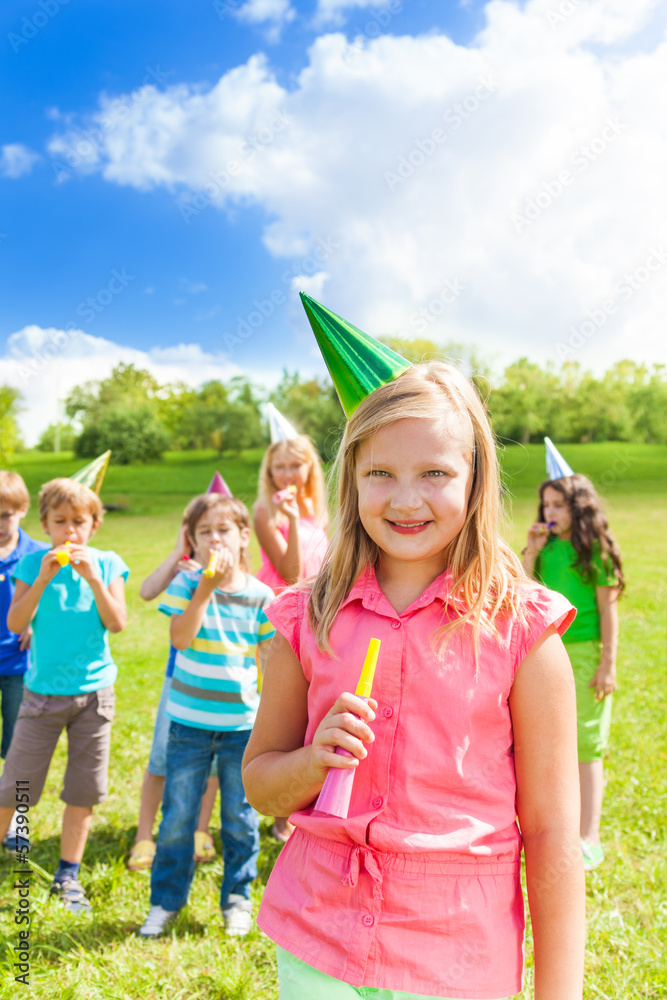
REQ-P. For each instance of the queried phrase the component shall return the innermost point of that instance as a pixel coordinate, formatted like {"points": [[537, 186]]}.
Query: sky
{"points": [[173, 174]]}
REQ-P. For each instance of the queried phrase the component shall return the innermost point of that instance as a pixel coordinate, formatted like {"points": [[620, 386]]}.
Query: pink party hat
{"points": [[218, 485]]}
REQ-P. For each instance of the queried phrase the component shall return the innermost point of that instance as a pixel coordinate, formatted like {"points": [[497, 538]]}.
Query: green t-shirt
{"points": [[556, 568]]}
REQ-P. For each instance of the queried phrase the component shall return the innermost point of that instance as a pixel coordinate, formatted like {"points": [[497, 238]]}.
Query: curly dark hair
{"points": [[589, 524]]}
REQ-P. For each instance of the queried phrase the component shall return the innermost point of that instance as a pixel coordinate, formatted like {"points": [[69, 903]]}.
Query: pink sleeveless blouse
{"points": [[419, 889]]}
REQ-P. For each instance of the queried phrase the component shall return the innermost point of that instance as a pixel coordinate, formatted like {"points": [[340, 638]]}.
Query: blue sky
{"points": [[173, 173]]}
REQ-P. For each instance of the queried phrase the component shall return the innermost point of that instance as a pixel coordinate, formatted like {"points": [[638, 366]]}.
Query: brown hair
{"points": [[487, 575], [589, 525], [80, 497], [227, 506], [13, 491]]}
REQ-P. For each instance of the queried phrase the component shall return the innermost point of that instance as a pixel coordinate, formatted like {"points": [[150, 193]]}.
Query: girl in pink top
{"points": [[472, 724], [291, 530]]}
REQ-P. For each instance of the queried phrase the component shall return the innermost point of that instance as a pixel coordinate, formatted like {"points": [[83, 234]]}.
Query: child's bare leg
{"points": [[591, 779], [151, 798], [76, 826], [5, 820], [207, 803]]}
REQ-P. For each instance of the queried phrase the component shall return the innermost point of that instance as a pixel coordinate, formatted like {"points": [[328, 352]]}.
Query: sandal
{"points": [[204, 846], [141, 856]]}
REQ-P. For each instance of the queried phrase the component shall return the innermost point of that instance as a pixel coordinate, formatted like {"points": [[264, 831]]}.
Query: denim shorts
{"points": [[157, 761]]}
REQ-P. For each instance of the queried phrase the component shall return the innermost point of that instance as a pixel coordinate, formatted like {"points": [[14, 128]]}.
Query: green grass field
{"points": [[99, 959]]}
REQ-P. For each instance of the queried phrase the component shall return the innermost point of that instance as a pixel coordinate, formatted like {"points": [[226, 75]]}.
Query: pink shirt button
{"points": [[387, 712], [395, 624], [368, 919], [377, 802]]}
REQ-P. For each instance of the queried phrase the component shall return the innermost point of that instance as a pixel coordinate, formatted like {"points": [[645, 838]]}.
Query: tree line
{"points": [[139, 419]]}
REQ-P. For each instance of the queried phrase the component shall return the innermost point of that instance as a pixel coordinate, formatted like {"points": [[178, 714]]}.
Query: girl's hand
{"points": [[83, 563], [341, 728], [290, 508], [49, 566], [24, 638], [188, 565], [538, 534], [604, 681], [182, 546]]}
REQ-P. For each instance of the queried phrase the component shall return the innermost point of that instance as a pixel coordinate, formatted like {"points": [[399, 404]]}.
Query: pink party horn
{"points": [[285, 494], [334, 798]]}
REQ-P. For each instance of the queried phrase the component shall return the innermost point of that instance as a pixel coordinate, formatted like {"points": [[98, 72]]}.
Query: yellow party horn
{"points": [[63, 556], [212, 565]]}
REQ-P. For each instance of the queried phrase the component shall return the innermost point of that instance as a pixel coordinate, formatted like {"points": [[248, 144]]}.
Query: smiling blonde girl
{"points": [[471, 727]]}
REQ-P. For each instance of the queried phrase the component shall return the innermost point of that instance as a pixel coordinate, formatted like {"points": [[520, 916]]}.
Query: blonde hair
{"points": [[80, 497], [486, 572], [13, 491], [229, 507], [303, 449]]}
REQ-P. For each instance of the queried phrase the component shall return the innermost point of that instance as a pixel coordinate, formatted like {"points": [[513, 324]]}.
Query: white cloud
{"points": [[333, 12], [45, 364], [526, 167], [277, 13], [16, 160]]}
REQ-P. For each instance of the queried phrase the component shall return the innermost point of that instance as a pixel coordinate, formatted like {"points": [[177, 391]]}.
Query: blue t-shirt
{"points": [[214, 685], [12, 660], [70, 645]]}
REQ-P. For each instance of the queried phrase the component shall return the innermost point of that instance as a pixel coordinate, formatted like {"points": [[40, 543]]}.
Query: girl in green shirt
{"points": [[570, 549]]}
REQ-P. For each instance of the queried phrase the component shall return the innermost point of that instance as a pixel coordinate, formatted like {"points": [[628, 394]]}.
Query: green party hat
{"points": [[92, 474], [357, 363]]}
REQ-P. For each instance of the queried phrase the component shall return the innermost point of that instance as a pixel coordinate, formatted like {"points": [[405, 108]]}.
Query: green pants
{"points": [[593, 717], [298, 980]]}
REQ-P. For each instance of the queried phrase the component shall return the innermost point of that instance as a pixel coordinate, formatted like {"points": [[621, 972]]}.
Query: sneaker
{"points": [[157, 922], [593, 855], [237, 916], [70, 892], [14, 841]]}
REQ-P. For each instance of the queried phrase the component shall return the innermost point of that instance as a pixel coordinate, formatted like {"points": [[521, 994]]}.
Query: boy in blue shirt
{"points": [[74, 595], [218, 626], [14, 649]]}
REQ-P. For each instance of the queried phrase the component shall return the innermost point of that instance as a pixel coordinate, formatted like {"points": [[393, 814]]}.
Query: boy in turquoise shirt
{"points": [[73, 595]]}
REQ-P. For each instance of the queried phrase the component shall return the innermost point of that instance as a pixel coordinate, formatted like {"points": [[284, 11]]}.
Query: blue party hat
{"points": [[557, 467]]}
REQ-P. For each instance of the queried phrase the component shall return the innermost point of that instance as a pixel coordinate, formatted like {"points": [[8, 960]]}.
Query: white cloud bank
{"points": [[525, 171], [45, 364]]}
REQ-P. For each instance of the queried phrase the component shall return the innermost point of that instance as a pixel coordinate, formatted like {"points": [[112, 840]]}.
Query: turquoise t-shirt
{"points": [[70, 646], [556, 568]]}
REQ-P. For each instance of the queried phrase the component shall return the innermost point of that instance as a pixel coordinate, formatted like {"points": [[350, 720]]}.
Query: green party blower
{"points": [[334, 799]]}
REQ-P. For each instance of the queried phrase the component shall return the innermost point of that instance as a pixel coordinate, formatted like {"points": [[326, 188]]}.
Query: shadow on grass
{"points": [[110, 888]]}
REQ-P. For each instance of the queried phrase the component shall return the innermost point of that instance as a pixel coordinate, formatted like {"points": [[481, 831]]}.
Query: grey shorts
{"points": [[41, 719]]}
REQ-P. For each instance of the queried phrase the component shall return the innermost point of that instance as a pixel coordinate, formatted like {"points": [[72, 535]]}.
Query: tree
{"points": [[194, 416], [47, 441], [10, 438], [133, 433], [241, 425], [522, 407], [313, 407], [126, 385], [122, 412]]}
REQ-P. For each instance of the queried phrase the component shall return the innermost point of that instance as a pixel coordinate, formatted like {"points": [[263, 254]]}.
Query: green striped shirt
{"points": [[214, 685]]}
